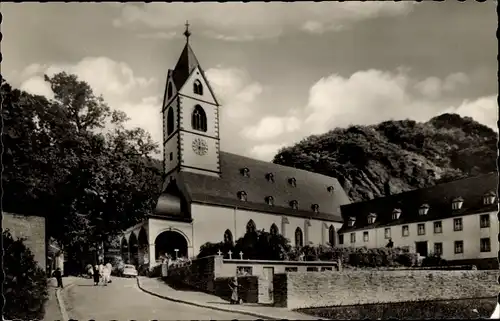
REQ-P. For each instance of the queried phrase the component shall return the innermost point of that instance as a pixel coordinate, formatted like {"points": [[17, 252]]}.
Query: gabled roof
{"points": [[438, 198], [311, 188]]}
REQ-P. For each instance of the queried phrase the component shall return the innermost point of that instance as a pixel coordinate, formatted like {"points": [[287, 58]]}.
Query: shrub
{"points": [[433, 260], [25, 283]]}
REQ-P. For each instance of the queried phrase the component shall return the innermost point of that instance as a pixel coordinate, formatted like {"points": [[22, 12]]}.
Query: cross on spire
{"points": [[187, 33]]}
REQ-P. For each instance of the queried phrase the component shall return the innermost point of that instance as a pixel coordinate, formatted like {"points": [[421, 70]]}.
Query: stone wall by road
{"points": [[298, 290], [33, 229]]}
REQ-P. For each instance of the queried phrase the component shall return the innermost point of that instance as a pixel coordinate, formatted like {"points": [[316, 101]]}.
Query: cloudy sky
{"points": [[282, 71]]}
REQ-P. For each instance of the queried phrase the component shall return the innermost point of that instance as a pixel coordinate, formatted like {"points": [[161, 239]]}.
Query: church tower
{"points": [[190, 119]]}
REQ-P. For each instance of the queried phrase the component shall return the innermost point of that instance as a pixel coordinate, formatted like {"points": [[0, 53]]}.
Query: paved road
{"points": [[123, 300]]}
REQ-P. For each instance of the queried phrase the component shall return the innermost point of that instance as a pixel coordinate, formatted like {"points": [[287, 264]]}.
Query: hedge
{"points": [[25, 283]]}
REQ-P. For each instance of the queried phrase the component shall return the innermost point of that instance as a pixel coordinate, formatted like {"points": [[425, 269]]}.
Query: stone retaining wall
{"points": [[300, 290]]}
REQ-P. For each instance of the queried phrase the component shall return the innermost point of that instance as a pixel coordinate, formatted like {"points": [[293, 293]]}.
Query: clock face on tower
{"points": [[200, 147]]}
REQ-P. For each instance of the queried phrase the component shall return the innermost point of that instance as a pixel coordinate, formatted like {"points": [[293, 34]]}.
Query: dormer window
{"points": [[315, 208], [292, 181], [371, 218], [242, 196], [396, 213], [424, 208], [489, 198], [270, 177], [351, 221], [294, 204], [245, 172], [457, 203], [330, 189], [270, 200]]}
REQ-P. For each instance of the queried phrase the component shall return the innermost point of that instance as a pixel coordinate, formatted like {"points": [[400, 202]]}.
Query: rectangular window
{"points": [[438, 248], [457, 224], [438, 227], [244, 270], [341, 239], [459, 247], [312, 269], [406, 230], [353, 237], [326, 268], [484, 220], [291, 269], [387, 233], [421, 229], [365, 236], [485, 245]]}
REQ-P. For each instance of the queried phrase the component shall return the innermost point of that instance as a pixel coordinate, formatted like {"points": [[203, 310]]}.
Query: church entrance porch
{"points": [[172, 244]]}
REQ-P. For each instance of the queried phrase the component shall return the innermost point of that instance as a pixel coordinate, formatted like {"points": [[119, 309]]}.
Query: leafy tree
{"points": [[25, 283], [396, 156], [259, 245], [73, 157]]}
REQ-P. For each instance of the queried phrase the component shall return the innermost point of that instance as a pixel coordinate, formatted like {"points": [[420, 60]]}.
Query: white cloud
{"points": [[158, 35], [234, 90], [364, 98], [265, 152], [271, 127], [434, 87], [248, 21], [115, 81], [37, 86]]}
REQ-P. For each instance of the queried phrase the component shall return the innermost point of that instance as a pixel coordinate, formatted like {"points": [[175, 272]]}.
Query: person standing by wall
{"points": [[58, 276]]}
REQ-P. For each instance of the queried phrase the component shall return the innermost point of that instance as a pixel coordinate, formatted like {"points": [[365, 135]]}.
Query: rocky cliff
{"points": [[397, 156]]}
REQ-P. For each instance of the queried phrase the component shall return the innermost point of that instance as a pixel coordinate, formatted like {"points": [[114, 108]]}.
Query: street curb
{"points": [[60, 302], [260, 316]]}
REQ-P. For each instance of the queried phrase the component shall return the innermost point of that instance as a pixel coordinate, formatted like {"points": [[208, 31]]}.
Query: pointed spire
{"points": [[187, 62]]}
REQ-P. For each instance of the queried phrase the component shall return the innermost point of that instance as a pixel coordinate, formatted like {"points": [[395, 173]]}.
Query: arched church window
{"points": [[197, 87], [251, 227], [331, 235], [199, 119], [274, 229], [228, 237], [169, 91], [299, 237], [170, 121]]}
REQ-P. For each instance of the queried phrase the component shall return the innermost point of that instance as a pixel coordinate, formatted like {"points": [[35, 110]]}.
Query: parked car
{"points": [[129, 271]]}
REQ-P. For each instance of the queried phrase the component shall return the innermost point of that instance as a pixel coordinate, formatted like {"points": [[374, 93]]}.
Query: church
{"points": [[210, 195]]}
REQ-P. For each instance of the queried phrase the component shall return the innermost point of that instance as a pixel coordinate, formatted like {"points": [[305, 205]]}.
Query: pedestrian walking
{"points": [[96, 275], [58, 276], [233, 285], [110, 268], [105, 275]]}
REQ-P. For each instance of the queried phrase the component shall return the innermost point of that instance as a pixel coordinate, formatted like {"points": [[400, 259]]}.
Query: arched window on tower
{"points": [[228, 237], [299, 237], [199, 119], [251, 227], [169, 91], [170, 121], [331, 235], [274, 230], [197, 87]]}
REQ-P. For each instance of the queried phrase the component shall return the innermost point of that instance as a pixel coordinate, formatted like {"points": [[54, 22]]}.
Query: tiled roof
{"points": [[439, 198], [311, 188]]}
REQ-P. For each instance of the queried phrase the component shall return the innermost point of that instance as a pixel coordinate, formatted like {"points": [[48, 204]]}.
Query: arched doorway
{"points": [[143, 247], [124, 250], [134, 249], [169, 241]]}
